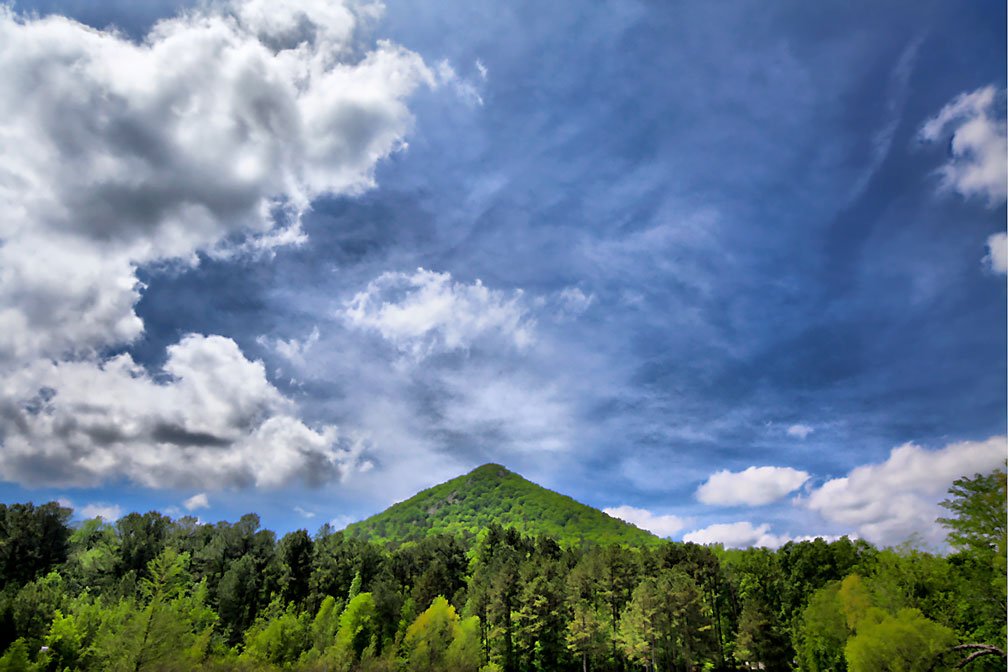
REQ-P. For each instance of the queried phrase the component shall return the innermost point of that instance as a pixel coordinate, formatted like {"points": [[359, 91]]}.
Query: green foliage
{"points": [[430, 637], [279, 636], [150, 593], [357, 628], [465, 506], [33, 540], [15, 658], [822, 632], [904, 642], [979, 505]]}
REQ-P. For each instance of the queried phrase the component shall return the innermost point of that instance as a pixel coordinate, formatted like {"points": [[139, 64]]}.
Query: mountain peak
{"points": [[464, 506]]}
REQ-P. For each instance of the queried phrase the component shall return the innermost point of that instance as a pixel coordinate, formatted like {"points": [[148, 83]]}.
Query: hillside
{"points": [[465, 505]]}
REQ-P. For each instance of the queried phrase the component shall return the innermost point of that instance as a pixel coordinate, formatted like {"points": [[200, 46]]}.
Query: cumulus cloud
{"points": [[227, 119], [214, 133], [198, 501], [978, 162], [107, 512], [755, 486], [210, 419], [663, 526], [742, 534], [799, 431], [427, 312], [997, 253], [888, 503]]}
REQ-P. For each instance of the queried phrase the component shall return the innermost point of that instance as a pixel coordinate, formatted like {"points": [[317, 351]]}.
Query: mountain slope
{"points": [[465, 505]]}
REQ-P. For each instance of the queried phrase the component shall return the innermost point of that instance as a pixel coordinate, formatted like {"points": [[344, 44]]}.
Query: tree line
{"points": [[152, 593]]}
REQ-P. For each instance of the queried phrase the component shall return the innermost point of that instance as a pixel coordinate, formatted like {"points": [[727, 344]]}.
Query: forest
{"points": [[148, 592]]}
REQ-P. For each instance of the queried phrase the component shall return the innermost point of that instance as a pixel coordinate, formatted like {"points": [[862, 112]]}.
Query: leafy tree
{"points": [[33, 540], [295, 554], [429, 637], [904, 642], [639, 626], [141, 539], [15, 658], [238, 597], [979, 523], [279, 636], [357, 628], [822, 632]]}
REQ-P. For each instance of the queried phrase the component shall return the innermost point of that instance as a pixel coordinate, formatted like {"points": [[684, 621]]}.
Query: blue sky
{"points": [[735, 273]]}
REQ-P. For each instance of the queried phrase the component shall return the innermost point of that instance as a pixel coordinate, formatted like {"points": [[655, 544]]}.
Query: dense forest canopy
{"points": [[152, 593]]}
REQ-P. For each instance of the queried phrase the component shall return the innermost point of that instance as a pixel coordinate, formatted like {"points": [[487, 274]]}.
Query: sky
{"points": [[733, 272]]}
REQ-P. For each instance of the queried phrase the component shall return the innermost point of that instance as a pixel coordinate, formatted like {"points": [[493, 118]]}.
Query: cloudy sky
{"points": [[733, 272]]}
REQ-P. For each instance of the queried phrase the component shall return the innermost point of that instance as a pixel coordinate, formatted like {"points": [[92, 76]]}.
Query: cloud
{"points": [[210, 418], [755, 486], [978, 163], [213, 134], [573, 301], [220, 122], [463, 88], [292, 350], [736, 535], [198, 501], [890, 502], [997, 253], [426, 312], [663, 526], [107, 512], [799, 431], [306, 514]]}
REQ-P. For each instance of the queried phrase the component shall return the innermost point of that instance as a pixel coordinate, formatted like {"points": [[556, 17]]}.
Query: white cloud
{"points": [[754, 486], [212, 420], [890, 502], [997, 253], [341, 521], [427, 312], [799, 431], [198, 501], [979, 147], [212, 134], [736, 535], [464, 89], [303, 512], [663, 526], [292, 350], [120, 153], [107, 512], [573, 301]]}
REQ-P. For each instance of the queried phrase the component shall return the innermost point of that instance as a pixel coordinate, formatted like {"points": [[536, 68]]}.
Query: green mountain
{"points": [[464, 506]]}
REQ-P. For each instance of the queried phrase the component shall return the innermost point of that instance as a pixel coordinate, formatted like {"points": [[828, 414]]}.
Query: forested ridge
{"points": [[466, 505], [152, 593]]}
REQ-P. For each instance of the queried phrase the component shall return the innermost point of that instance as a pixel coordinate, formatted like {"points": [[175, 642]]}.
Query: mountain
{"points": [[465, 505]]}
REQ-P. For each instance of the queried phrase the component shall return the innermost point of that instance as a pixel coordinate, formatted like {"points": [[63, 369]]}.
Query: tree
{"points": [[33, 540], [295, 553], [821, 632], [238, 597], [979, 524], [904, 642], [429, 637], [357, 628]]}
